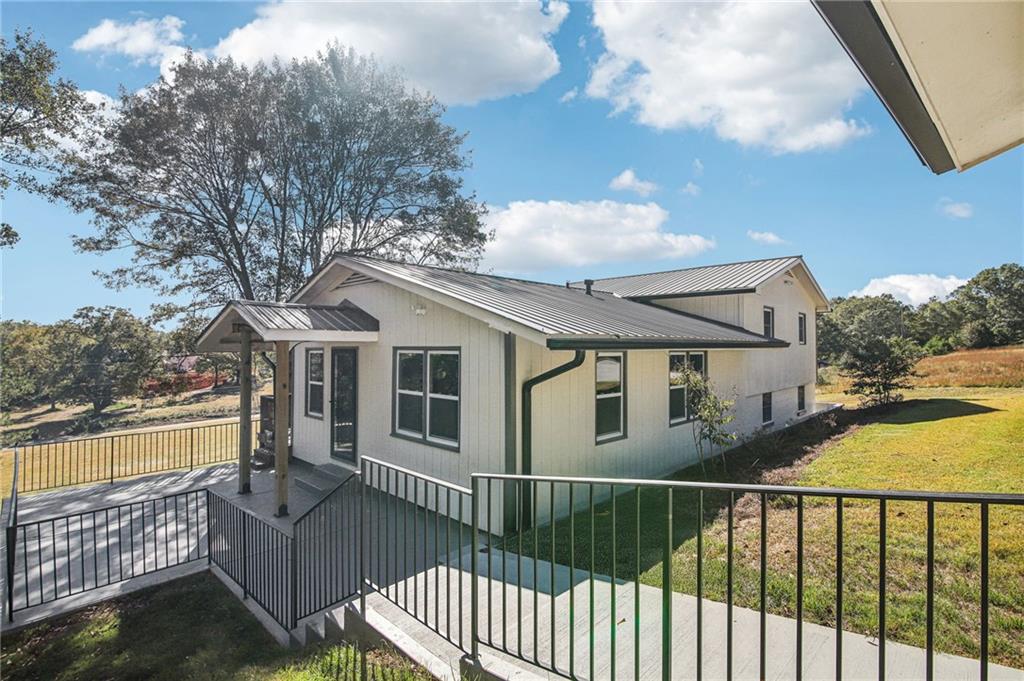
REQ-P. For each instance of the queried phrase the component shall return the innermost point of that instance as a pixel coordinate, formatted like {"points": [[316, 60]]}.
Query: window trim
{"points": [[771, 409], [801, 396], [425, 438], [685, 353], [322, 383], [771, 331], [622, 433], [801, 328]]}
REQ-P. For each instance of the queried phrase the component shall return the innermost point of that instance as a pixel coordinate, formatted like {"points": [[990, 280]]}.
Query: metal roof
{"points": [[287, 322], [734, 277], [567, 316]]}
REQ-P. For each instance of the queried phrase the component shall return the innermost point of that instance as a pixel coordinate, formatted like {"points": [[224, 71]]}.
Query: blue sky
{"points": [[747, 132]]}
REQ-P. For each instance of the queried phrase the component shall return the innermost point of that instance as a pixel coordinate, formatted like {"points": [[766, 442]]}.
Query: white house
{"points": [[450, 373]]}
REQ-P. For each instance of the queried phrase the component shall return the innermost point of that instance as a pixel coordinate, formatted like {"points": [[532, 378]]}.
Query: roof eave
{"points": [[860, 32], [649, 343]]}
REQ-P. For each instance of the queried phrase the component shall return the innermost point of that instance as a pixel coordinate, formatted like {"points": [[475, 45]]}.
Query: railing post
{"points": [[293, 577], [12, 542], [474, 606], [244, 526], [362, 543], [209, 525], [191, 448], [111, 459], [666, 595]]}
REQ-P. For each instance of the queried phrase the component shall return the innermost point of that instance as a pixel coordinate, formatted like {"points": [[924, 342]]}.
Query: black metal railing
{"points": [[574, 540], [327, 558], [414, 554], [255, 554], [106, 458], [60, 557], [11, 535]]}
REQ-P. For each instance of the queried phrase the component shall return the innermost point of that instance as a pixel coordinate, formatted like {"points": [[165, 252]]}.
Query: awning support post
{"points": [[245, 412], [281, 359]]}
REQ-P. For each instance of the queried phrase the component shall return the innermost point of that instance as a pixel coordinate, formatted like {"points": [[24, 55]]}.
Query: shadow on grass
{"points": [[936, 409]]}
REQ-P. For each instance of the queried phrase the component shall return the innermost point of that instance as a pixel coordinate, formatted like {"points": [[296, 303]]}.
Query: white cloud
{"points": [[460, 52], [532, 236], [628, 181], [765, 74], [912, 288], [766, 238], [698, 167], [569, 95], [691, 189], [955, 210], [146, 41]]}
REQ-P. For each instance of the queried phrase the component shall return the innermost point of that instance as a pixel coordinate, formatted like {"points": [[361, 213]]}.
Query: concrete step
{"points": [[314, 483], [333, 470]]}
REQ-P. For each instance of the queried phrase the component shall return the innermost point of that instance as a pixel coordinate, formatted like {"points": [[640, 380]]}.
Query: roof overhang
{"points": [[291, 322], [951, 74], [646, 343]]}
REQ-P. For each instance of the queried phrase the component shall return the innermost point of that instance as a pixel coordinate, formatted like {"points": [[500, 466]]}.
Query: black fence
{"points": [[327, 539], [414, 553], [256, 555], [107, 458], [60, 557]]}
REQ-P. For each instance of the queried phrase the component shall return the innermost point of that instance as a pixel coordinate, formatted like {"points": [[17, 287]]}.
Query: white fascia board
{"points": [[319, 336]]}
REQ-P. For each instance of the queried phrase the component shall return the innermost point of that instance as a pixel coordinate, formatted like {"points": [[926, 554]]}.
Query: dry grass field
{"points": [[989, 367]]}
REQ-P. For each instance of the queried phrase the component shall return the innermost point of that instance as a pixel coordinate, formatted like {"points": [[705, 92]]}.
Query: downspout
{"points": [[527, 434]]}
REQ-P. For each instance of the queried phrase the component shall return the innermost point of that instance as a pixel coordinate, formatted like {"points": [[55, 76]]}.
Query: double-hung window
{"points": [[801, 328], [427, 395], [766, 408], [769, 322], [610, 391], [680, 407], [315, 382]]}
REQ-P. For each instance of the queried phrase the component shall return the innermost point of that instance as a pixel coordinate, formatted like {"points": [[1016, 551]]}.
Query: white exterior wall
{"points": [[481, 416]]}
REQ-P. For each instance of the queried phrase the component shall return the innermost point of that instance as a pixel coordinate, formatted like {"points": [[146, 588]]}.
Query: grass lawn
{"points": [[192, 628], [971, 443]]}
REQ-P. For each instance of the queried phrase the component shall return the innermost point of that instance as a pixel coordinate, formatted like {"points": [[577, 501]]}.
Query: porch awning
{"points": [[294, 322]]}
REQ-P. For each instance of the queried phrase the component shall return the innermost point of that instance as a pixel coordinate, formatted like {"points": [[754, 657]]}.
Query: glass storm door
{"points": [[343, 403]]}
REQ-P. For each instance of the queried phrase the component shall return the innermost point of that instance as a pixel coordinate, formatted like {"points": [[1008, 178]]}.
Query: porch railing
{"points": [[572, 542], [258, 556], [419, 534], [105, 458], [59, 557], [327, 559]]}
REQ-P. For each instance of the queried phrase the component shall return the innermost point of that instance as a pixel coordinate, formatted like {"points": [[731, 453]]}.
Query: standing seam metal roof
{"points": [[293, 316], [561, 311], [737, 276]]}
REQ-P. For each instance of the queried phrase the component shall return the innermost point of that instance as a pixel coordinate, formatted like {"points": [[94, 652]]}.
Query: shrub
{"points": [[880, 368], [937, 345]]}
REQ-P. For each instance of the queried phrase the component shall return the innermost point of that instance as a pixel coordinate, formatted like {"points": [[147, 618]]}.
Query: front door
{"points": [[343, 403]]}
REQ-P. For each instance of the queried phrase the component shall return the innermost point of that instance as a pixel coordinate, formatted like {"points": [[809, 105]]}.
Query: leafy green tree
{"points": [[995, 297], [38, 114], [181, 343], [237, 182], [28, 374], [880, 368], [105, 353], [712, 416], [853, 320], [939, 320]]}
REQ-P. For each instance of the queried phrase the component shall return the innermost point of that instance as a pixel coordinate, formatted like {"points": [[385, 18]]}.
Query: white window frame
{"points": [[801, 328], [686, 418], [310, 382], [454, 398], [621, 432]]}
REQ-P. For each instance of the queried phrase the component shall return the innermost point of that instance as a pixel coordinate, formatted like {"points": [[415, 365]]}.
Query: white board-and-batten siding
{"points": [[407, 320]]}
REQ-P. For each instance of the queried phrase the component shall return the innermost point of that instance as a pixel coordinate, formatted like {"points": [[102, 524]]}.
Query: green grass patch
{"points": [[192, 628], [942, 444]]}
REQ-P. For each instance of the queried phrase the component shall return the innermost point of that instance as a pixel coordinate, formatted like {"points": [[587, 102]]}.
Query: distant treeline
{"points": [[98, 356], [987, 311]]}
